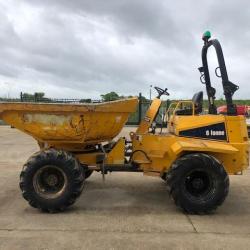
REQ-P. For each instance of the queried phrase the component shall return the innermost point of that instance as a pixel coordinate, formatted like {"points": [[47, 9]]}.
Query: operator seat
{"points": [[198, 101]]}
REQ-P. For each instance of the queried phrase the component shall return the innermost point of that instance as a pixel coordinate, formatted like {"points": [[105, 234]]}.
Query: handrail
{"points": [[178, 103], [228, 87]]}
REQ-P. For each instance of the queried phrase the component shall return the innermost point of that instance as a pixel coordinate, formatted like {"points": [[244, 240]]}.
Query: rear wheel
{"points": [[198, 183], [51, 180]]}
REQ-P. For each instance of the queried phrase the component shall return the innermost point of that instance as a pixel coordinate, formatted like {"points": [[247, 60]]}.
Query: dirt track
{"points": [[128, 211]]}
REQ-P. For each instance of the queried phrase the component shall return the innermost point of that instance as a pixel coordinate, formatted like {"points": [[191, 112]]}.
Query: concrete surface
{"points": [[128, 211]]}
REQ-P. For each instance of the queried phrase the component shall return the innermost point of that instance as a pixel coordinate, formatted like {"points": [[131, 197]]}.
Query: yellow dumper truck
{"points": [[194, 154]]}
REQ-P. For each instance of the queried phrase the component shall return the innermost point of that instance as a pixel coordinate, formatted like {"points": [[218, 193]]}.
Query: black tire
{"points": [[88, 173], [51, 180], [198, 183], [164, 177]]}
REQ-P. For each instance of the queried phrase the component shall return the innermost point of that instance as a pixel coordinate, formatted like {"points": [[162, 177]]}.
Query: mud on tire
{"points": [[51, 180], [198, 183]]}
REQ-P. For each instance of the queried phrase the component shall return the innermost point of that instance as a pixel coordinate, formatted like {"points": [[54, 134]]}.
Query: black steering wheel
{"points": [[161, 91]]}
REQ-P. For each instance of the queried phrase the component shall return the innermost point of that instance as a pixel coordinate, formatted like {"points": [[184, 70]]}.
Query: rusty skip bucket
{"points": [[80, 124]]}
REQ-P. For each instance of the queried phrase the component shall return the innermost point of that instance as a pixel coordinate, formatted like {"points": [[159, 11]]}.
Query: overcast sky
{"points": [[84, 48]]}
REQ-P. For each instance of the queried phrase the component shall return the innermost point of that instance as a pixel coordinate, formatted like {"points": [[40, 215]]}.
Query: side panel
{"points": [[238, 138], [237, 129], [163, 150], [158, 151], [215, 131], [183, 123]]}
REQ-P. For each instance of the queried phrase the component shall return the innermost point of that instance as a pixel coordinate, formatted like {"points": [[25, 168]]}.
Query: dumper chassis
{"points": [[194, 154]]}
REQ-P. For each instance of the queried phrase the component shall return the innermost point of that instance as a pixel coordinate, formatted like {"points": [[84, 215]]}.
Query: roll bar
{"points": [[228, 87]]}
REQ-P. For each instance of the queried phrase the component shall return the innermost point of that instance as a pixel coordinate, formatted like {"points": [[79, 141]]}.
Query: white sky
{"points": [[84, 48]]}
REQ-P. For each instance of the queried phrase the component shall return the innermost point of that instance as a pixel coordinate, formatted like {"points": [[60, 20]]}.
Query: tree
{"points": [[111, 96], [37, 96], [27, 96], [144, 99], [85, 100]]}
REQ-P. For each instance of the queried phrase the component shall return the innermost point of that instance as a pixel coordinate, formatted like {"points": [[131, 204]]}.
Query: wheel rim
{"points": [[49, 182], [198, 184]]}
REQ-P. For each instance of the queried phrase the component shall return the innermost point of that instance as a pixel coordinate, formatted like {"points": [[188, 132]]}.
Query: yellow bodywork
{"points": [[82, 129], [149, 117], [163, 149], [69, 126]]}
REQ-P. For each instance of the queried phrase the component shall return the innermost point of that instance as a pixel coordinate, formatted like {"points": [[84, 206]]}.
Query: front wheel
{"points": [[88, 173], [198, 183], [51, 180]]}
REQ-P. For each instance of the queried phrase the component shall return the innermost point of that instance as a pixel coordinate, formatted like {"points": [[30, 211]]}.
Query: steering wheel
{"points": [[161, 91]]}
